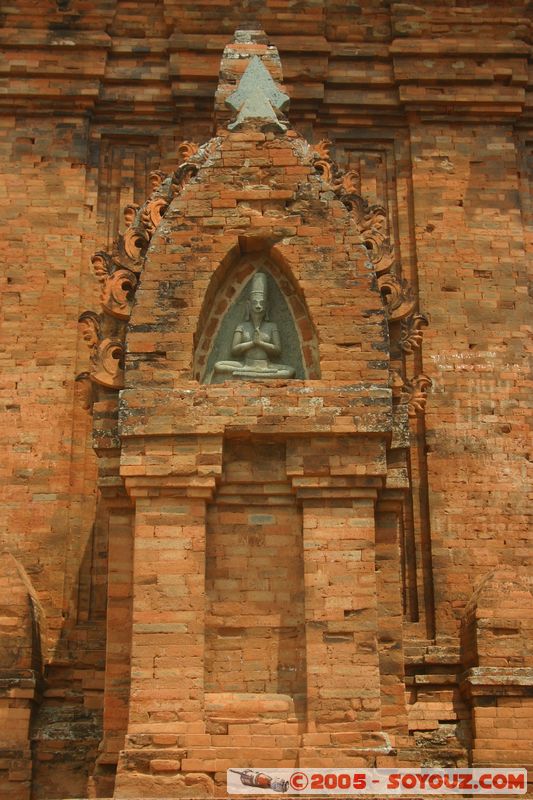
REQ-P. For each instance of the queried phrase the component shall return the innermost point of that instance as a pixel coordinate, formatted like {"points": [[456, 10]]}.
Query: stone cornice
{"points": [[18, 39], [458, 77], [461, 77], [33, 80], [456, 46]]}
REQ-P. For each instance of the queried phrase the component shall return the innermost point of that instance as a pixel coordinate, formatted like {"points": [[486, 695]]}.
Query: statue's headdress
{"points": [[259, 286]]}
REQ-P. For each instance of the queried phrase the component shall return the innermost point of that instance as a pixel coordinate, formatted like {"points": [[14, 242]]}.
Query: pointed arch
{"points": [[224, 302], [22, 634]]}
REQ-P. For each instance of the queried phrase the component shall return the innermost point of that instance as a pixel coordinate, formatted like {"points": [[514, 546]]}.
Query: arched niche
{"points": [[224, 308], [22, 618]]}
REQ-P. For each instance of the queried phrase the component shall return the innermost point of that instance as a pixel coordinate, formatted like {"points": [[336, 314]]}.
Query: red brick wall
{"points": [[47, 467], [473, 282], [433, 105]]}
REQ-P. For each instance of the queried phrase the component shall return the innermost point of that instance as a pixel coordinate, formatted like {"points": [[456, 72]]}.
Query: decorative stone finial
{"points": [[249, 44], [257, 97]]}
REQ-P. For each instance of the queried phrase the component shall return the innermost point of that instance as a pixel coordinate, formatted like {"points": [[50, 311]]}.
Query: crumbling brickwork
{"points": [[329, 569]]}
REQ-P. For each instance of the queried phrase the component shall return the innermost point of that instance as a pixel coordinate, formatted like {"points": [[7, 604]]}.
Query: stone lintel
{"points": [[437, 679], [271, 407], [499, 681], [343, 495], [337, 487], [149, 486], [15, 680]]}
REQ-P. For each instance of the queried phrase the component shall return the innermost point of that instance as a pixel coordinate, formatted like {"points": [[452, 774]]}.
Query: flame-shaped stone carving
{"points": [[109, 364], [412, 332], [90, 326], [119, 272], [398, 296], [414, 393]]}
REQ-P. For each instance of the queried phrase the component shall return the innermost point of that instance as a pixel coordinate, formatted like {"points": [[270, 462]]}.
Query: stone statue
{"points": [[256, 340]]}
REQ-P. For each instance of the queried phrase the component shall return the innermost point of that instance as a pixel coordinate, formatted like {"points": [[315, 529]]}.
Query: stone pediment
{"points": [[254, 193]]}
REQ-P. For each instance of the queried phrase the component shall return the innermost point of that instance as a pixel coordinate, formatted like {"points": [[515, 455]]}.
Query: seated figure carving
{"points": [[256, 340]]}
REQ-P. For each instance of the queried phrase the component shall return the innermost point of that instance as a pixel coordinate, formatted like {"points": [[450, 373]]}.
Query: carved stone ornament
{"points": [[118, 286], [129, 249], [187, 150], [412, 332], [369, 219], [153, 212], [396, 383], [157, 176], [109, 364], [414, 393], [398, 297], [89, 323], [119, 273], [85, 391], [129, 213], [338, 181], [118, 293], [135, 243]]}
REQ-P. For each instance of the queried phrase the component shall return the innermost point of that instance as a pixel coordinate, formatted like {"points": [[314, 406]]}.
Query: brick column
{"points": [[119, 511], [497, 651], [390, 613], [502, 715], [18, 692], [343, 682], [167, 669]]}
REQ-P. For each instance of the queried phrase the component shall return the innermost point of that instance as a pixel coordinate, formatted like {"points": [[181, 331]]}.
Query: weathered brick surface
{"points": [[483, 367], [431, 105]]}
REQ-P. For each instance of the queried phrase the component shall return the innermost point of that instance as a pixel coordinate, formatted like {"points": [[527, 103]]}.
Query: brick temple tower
{"points": [[267, 509]]}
